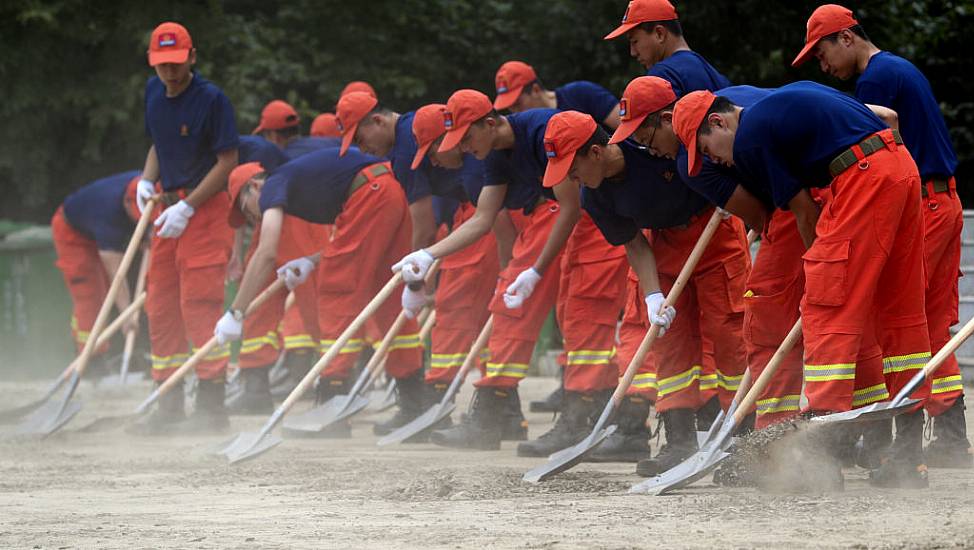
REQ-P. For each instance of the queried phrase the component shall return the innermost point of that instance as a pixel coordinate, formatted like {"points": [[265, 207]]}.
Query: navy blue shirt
{"points": [[314, 187], [586, 97], [522, 167], [97, 211], [786, 141], [894, 82], [258, 149], [308, 144], [687, 71], [648, 195], [715, 181], [188, 130], [426, 180]]}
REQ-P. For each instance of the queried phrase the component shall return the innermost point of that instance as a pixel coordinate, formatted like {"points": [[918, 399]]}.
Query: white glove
{"points": [[228, 328], [174, 220], [414, 266], [295, 272], [724, 215], [664, 318], [413, 302], [143, 192], [521, 289]]}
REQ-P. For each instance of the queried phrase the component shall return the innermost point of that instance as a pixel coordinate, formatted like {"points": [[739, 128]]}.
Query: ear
{"points": [[377, 119], [595, 152], [847, 37], [192, 56], [715, 120], [660, 32], [666, 117], [535, 89]]}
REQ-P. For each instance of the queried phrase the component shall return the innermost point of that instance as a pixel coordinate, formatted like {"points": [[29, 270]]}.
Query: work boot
{"points": [[950, 448], [297, 362], [515, 426], [256, 395], [877, 436], [707, 414], [572, 425], [410, 398], [482, 426], [551, 403], [630, 442], [170, 411], [681, 442], [210, 414], [904, 469], [328, 388]]}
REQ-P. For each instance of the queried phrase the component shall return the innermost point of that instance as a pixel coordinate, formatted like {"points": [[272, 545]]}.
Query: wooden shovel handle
{"points": [[479, 344], [949, 348], [752, 236], [111, 329], [762, 382], [427, 319]]}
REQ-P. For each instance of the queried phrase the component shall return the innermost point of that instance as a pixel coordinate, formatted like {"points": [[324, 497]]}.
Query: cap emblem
{"points": [[549, 149], [447, 119], [502, 85], [167, 39], [338, 123], [623, 109], [625, 16]]}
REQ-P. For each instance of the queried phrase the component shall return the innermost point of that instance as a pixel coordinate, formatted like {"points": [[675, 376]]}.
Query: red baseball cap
{"points": [[427, 127], [352, 108], [129, 201], [510, 80], [277, 115], [565, 134], [643, 96], [825, 20], [358, 86], [170, 43], [642, 11], [325, 125], [238, 177], [688, 115], [463, 109]]}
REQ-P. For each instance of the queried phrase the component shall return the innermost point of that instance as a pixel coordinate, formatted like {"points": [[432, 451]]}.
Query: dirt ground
{"points": [[110, 490]]}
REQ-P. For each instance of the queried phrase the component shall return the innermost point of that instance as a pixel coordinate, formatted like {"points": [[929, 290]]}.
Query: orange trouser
{"points": [[185, 291], [466, 285], [943, 219], [591, 295], [516, 330], [371, 234], [84, 275], [261, 342], [774, 292], [863, 309]]}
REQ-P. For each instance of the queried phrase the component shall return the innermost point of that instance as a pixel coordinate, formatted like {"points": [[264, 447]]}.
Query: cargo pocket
{"points": [[826, 269], [203, 278], [338, 272], [768, 318]]}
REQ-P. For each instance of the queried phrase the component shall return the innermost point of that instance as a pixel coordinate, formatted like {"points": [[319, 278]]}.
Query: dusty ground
{"points": [[109, 490]]}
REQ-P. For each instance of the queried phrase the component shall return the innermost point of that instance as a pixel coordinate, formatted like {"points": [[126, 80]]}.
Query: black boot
{"points": [[904, 468], [877, 436], [572, 425], [297, 362], [170, 411], [950, 448], [410, 398], [552, 403], [630, 442], [482, 426], [256, 395], [707, 414], [681, 442], [515, 426], [328, 388], [210, 414]]}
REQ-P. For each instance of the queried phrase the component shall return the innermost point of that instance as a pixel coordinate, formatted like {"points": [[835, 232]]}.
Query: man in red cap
{"points": [[325, 125], [194, 148], [656, 40], [862, 310], [358, 86], [281, 125], [520, 89], [840, 44]]}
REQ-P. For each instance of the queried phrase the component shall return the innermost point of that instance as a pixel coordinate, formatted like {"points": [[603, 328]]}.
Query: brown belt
{"points": [[362, 177], [868, 146], [170, 198], [940, 185]]}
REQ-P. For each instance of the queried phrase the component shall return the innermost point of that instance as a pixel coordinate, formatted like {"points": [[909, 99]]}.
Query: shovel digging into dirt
{"points": [[568, 458]]}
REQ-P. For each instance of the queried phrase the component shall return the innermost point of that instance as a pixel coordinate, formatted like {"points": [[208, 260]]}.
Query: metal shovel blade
{"points": [[876, 411], [317, 419], [685, 473], [10, 416], [49, 418], [422, 422], [567, 458], [249, 445], [383, 398]]}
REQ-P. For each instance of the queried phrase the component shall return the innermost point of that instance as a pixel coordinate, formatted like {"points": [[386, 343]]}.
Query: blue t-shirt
{"points": [[314, 187], [715, 181], [97, 211], [648, 195], [188, 130], [522, 167], [258, 149], [687, 71], [426, 179], [894, 82], [786, 141], [308, 144], [586, 97]]}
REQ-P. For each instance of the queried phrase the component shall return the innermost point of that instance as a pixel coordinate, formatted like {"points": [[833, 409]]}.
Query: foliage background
{"points": [[72, 72]]}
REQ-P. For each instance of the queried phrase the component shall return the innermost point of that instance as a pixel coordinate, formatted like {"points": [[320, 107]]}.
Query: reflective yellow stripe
{"points": [[947, 384], [645, 381], [299, 341], [708, 381], [251, 345], [218, 352], [80, 336], [681, 381], [354, 345], [446, 360], [726, 381], [785, 403], [825, 373], [872, 394], [900, 363], [168, 361], [512, 370], [591, 357], [407, 341]]}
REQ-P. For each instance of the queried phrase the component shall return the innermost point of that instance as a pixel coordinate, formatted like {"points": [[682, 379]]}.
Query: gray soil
{"points": [[111, 490]]}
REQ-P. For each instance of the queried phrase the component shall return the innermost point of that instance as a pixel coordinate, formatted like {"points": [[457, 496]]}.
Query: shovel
{"points": [[568, 458], [249, 445], [123, 375], [446, 405], [713, 452], [383, 398], [51, 416]]}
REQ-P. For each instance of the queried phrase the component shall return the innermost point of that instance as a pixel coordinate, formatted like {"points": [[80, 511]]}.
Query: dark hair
{"points": [[653, 120], [672, 25], [855, 29], [492, 114], [600, 138], [527, 87], [721, 105], [290, 131], [379, 109]]}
